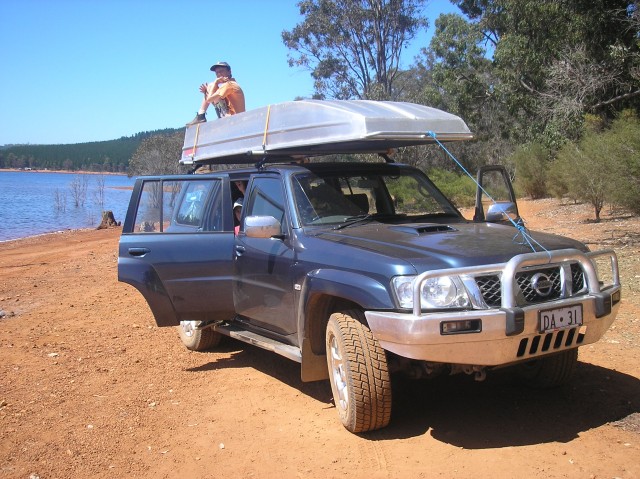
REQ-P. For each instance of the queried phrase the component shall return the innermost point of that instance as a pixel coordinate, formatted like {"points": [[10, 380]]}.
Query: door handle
{"points": [[240, 250], [138, 251]]}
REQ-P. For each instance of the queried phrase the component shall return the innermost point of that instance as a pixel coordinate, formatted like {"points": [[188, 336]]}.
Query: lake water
{"points": [[33, 203]]}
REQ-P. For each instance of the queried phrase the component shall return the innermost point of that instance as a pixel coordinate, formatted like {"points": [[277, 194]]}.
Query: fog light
{"points": [[460, 327]]}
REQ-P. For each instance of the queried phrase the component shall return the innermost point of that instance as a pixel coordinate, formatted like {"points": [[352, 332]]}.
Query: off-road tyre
{"points": [[198, 339], [358, 373], [549, 371]]}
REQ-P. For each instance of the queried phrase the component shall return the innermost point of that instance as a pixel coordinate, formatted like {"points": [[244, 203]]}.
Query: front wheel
{"points": [[358, 373], [197, 339], [549, 371]]}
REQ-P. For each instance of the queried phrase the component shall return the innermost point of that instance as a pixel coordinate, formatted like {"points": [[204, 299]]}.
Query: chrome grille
{"points": [[489, 285], [490, 290], [577, 278], [525, 281]]}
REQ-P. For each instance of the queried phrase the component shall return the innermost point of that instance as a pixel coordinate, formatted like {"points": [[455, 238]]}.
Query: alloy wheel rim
{"points": [[188, 327], [338, 373]]}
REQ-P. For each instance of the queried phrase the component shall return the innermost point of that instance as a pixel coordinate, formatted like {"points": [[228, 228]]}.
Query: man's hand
{"points": [[203, 88]]}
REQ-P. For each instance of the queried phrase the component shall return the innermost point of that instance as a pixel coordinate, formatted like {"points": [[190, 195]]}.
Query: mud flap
{"points": [[314, 366]]}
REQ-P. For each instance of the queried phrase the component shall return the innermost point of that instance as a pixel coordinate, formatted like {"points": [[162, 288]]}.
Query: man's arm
{"points": [[211, 93]]}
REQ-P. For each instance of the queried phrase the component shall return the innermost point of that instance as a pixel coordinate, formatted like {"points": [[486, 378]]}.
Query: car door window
{"points": [[267, 199], [176, 206]]}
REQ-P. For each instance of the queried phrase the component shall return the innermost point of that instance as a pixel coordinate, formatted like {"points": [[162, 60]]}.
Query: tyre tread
{"points": [[550, 371], [201, 340], [369, 374]]}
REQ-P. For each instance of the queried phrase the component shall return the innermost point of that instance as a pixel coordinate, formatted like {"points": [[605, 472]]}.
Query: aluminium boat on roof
{"points": [[318, 127]]}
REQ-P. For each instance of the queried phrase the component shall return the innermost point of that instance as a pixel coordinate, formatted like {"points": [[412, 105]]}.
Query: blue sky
{"points": [[74, 71]]}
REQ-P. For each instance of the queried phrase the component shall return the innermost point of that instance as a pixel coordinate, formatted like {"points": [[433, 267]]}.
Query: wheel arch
{"points": [[319, 308], [326, 292]]}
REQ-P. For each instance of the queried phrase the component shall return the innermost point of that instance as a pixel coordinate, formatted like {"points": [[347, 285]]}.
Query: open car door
{"points": [[176, 247], [495, 198]]}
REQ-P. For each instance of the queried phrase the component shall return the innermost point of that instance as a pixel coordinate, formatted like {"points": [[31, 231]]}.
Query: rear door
{"points": [[176, 247]]}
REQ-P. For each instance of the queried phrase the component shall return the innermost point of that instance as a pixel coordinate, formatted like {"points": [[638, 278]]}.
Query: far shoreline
{"points": [[79, 172]]}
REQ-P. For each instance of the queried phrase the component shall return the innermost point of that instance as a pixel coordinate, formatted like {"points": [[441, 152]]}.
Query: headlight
{"points": [[438, 292]]}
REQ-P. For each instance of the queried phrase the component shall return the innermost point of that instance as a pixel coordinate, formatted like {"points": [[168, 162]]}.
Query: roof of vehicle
{"points": [[290, 166], [309, 128]]}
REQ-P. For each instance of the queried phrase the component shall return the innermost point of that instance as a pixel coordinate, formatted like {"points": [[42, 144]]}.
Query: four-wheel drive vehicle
{"points": [[361, 270]]}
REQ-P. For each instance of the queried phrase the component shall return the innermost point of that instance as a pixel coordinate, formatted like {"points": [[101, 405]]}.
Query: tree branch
{"points": [[615, 99]]}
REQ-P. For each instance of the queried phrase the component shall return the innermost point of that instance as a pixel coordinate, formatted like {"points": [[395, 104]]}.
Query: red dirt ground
{"points": [[91, 388]]}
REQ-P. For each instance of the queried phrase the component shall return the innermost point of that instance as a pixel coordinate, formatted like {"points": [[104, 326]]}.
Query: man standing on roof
{"points": [[225, 94]]}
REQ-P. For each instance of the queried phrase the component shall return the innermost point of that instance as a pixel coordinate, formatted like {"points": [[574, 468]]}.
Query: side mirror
{"points": [[495, 198], [501, 211], [262, 227]]}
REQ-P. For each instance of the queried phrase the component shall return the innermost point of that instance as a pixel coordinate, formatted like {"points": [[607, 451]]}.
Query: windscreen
{"points": [[336, 198]]}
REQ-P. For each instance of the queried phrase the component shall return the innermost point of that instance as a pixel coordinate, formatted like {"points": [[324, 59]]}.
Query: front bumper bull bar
{"points": [[507, 334]]}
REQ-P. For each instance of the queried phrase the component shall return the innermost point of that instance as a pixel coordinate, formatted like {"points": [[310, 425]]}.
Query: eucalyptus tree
{"points": [[353, 47], [557, 60], [158, 154], [455, 73]]}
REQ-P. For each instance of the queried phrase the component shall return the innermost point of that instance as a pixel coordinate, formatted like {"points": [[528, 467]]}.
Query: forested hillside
{"points": [[106, 156]]}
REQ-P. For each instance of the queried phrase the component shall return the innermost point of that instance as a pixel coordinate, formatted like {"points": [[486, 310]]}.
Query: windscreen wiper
{"points": [[354, 220]]}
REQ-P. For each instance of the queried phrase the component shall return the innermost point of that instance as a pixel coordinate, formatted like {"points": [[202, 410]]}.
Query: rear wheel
{"points": [[549, 371], [198, 339], [358, 373]]}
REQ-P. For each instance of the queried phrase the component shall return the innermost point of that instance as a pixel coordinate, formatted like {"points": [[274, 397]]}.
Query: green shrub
{"points": [[532, 166], [623, 141], [603, 166]]}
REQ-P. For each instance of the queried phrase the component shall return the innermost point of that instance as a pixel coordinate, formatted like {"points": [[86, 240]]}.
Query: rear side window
{"points": [[177, 206]]}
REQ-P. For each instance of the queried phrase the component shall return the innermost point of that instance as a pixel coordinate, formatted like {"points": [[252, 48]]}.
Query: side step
{"points": [[286, 350]]}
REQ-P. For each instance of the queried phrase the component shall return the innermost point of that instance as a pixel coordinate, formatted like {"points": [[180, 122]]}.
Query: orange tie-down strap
{"points": [[192, 151], [266, 128]]}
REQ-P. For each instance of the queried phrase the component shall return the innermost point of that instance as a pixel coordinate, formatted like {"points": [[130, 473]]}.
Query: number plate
{"points": [[560, 318]]}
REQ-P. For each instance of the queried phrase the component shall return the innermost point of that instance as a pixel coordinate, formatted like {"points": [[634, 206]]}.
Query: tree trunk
{"points": [[108, 221]]}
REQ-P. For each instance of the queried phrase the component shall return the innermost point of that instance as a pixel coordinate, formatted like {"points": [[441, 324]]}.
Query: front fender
{"points": [[357, 288]]}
